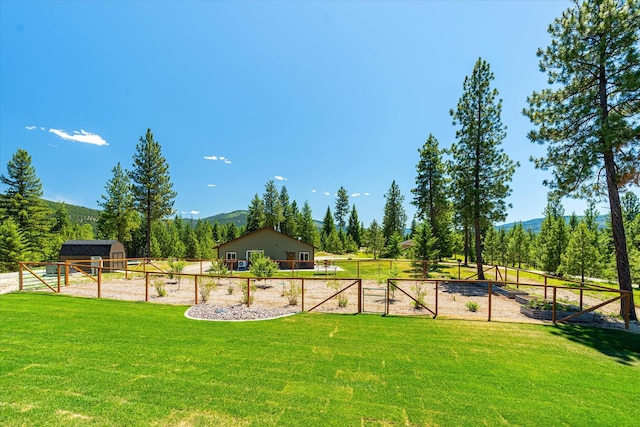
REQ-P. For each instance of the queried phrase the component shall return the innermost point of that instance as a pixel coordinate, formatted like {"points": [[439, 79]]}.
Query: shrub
{"points": [[205, 289], [419, 294], [245, 298], [158, 284], [230, 288], [218, 268], [343, 300], [262, 266], [176, 267], [472, 306], [293, 292]]}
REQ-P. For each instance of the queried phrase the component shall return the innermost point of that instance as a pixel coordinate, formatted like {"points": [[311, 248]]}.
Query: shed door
{"points": [[291, 256]]}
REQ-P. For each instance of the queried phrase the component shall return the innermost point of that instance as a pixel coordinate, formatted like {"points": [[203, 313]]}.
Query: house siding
{"points": [[275, 245]]}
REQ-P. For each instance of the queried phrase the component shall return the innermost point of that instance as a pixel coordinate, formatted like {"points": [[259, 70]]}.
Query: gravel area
{"points": [[237, 313]]}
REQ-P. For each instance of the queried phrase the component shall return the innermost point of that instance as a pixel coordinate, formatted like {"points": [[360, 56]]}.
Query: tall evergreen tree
{"points": [[255, 216], [308, 231], [328, 226], [342, 207], [425, 247], [13, 247], [430, 194], [374, 239], [22, 202], [395, 217], [118, 217], [588, 116], [581, 257], [273, 214], [552, 239], [152, 189], [232, 232], [477, 150], [518, 245], [353, 227]]}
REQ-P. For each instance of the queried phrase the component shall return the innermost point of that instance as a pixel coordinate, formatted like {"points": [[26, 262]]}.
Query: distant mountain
{"points": [[239, 218], [77, 214], [534, 224]]}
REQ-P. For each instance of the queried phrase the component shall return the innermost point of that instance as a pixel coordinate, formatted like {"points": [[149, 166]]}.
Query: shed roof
{"points": [[87, 247], [265, 230]]}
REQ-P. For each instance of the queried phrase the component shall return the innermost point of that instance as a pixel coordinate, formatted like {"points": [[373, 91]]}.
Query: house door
{"points": [[291, 256]]}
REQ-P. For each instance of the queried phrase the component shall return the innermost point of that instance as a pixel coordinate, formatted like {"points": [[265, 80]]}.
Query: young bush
{"points": [[472, 306], [262, 266], [158, 284], [293, 292], [419, 294], [343, 300], [205, 289], [218, 268], [230, 288], [176, 267], [247, 297]]}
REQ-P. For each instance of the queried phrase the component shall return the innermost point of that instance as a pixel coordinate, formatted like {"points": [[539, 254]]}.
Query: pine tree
{"points": [[477, 151], [308, 231], [395, 217], [490, 246], [287, 225], [13, 247], [518, 245], [353, 227], [22, 202], [232, 232], [118, 217], [374, 239], [430, 194], [581, 257], [588, 116], [328, 226], [342, 207], [392, 248], [152, 189], [425, 243], [255, 216], [272, 208]]}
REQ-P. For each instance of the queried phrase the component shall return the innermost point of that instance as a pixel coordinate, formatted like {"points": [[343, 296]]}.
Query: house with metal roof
{"points": [[287, 251]]}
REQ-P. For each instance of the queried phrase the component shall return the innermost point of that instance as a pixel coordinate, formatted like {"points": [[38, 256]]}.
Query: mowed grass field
{"points": [[88, 362]]}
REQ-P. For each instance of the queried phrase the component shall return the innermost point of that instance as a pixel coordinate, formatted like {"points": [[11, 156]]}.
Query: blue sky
{"points": [[312, 95]]}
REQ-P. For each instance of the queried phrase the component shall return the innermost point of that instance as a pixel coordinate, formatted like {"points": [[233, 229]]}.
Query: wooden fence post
{"points": [[302, 294], [490, 290], [20, 278], [146, 286], [195, 282]]}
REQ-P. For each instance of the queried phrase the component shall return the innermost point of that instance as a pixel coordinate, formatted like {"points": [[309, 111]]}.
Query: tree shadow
{"points": [[623, 346]]}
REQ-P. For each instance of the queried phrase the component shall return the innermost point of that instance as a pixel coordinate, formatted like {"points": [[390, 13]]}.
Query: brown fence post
{"points": [[99, 279], [545, 288], [66, 273], [302, 286], [459, 262], [505, 273], [195, 282], [248, 291], [58, 272], [360, 296], [146, 286], [490, 291], [20, 278], [581, 293], [386, 304], [553, 311], [437, 282]]}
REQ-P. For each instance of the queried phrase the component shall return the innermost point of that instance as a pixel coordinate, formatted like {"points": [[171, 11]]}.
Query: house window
{"points": [[251, 252], [231, 256], [304, 256]]}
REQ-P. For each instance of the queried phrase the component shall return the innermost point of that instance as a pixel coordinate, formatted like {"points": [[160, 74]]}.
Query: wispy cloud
{"points": [[81, 136], [326, 193], [221, 158], [367, 194], [30, 127], [355, 195], [280, 178], [313, 191], [211, 185], [194, 212]]}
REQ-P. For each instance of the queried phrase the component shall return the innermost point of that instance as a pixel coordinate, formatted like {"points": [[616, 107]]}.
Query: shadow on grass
{"points": [[623, 346]]}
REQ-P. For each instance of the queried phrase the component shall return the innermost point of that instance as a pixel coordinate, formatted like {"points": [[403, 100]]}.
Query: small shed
{"points": [[287, 251], [111, 252]]}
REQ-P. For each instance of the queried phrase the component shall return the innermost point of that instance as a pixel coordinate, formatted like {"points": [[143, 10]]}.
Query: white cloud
{"points": [[80, 136], [280, 178], [355, 195], [42, 128], [194, 212], [211, 185], [366, 194], [222, 158], [326, 193], [30, 127], [313, 191]]}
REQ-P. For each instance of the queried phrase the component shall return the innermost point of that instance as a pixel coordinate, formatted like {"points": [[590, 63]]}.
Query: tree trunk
{"points": [[619, 238]]}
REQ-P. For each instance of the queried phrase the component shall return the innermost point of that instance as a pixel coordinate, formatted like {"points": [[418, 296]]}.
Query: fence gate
{"points": [[374, 300]]}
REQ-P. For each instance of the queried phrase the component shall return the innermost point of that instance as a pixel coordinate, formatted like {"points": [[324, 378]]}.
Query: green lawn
{"points": [[73, 361]]}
